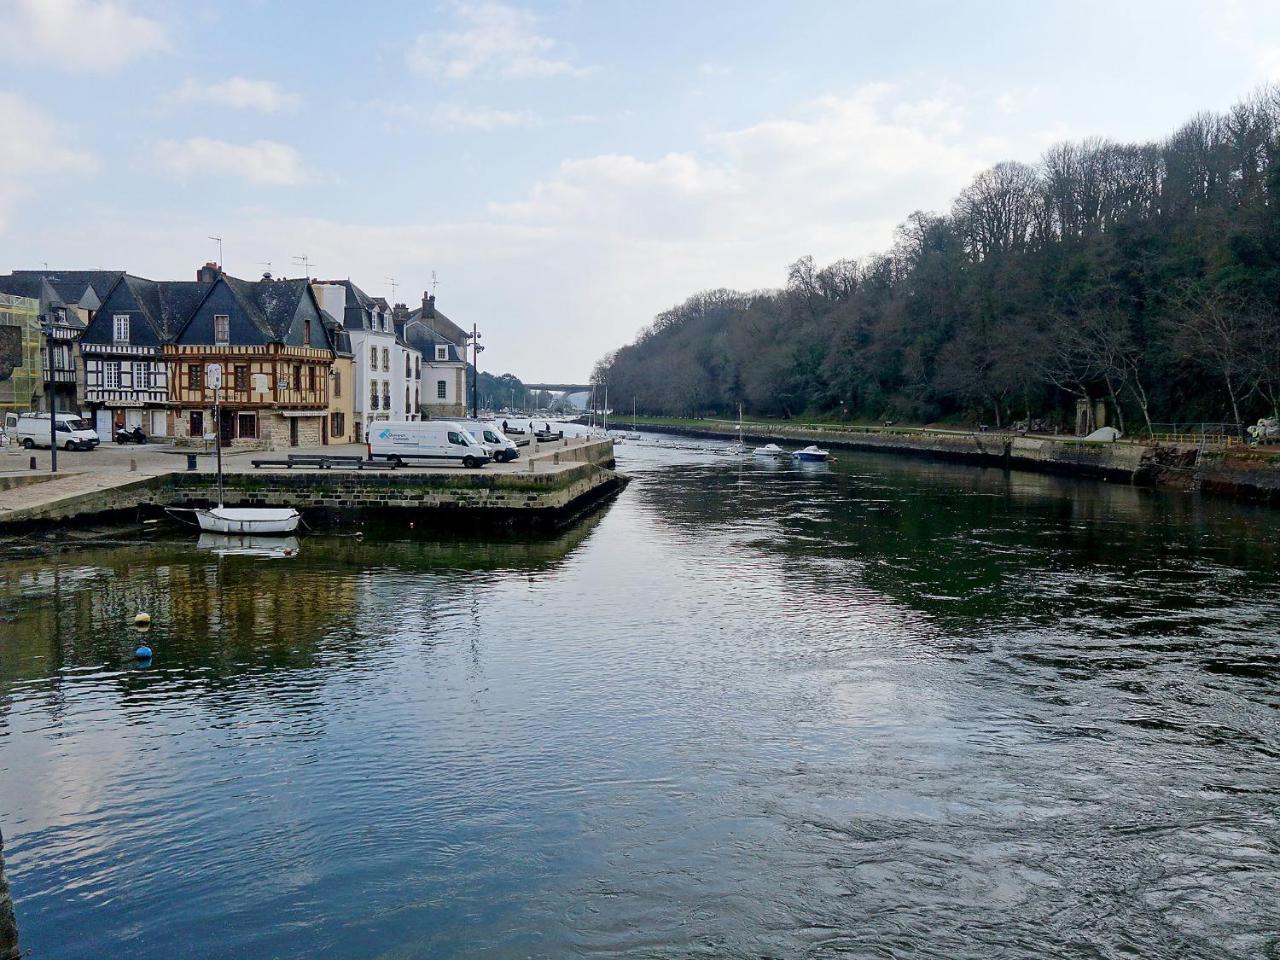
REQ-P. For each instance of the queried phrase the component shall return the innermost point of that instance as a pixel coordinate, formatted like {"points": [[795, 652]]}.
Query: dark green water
{"points": [[883, 709]]}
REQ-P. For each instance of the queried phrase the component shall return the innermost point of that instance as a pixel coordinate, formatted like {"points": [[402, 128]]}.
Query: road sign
{"points": [[213, 375]]}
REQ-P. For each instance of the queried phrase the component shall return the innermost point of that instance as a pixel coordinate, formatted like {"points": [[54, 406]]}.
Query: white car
{"points": [[32, 430], [438, 441]]}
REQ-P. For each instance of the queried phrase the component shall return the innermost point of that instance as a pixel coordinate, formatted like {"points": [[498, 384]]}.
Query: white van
{"points": [[502, 447], [440, 441], [32, 430]]}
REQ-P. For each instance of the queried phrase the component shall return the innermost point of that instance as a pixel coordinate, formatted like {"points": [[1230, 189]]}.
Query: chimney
{"points": [[208, 273], [400, 314], [428, 306]]}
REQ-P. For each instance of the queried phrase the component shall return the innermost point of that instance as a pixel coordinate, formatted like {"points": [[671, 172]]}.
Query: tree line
{"points": [[1142, 275]]}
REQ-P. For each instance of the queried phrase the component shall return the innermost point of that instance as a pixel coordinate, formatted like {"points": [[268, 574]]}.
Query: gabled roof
{"points": [[443, 326], [270, 304], [419, 336]]}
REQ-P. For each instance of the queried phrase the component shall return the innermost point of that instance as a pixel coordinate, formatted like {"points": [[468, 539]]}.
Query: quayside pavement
{"points": [[113, 478]]}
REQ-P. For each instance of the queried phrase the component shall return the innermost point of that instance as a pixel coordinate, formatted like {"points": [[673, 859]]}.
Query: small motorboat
{"points": [[772, 451], [248, 520], [813, 454]]}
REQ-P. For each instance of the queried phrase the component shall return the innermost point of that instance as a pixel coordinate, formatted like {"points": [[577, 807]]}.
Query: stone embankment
{"points": [[1234, 471], [550, 486]]}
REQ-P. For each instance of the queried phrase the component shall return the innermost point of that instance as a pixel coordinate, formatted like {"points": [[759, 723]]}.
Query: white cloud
{"points": [[239, 93], [492, 39], [83, 36], [482, 118], [262, 162], [33, 147]]}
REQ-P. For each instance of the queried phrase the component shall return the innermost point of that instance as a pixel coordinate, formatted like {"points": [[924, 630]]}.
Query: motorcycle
{"points": [[125, 435]]}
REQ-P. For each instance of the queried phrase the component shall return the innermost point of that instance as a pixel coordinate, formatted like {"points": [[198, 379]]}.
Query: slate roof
{"points": [[100, 280], [419, 336], [444, 327], [340, 339], [270, 304]]}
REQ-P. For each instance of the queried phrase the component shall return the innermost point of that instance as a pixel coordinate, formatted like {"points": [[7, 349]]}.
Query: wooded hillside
{"points": [[1146, 275]]}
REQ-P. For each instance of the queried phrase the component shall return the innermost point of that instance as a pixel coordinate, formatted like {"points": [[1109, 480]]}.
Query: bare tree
{"points": [[1219, 332]]}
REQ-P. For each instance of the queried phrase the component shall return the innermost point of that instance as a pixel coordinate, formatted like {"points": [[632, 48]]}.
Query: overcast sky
{"points": [[567, 170]]}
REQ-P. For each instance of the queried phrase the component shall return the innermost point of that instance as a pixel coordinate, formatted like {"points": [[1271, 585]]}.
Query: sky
{"points": [[561, 171]]}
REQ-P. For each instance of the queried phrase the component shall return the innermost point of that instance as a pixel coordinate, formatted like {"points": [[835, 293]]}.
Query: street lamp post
{"points": [[50, 393], [475, 371]]}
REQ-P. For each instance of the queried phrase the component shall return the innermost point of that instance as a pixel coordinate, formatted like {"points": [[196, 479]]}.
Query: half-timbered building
{"points": [[126, 376], [275, 354]]}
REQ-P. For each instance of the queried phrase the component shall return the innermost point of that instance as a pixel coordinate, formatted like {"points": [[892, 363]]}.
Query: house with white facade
{"points": [[388, 372], [442, 344]]}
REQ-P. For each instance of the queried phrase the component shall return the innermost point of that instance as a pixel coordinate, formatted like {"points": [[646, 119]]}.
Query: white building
{"points": [[442, 344], [388, 372]]}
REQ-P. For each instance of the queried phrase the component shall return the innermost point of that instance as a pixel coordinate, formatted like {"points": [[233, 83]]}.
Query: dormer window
{"points": [[306, 332], [120, 328], [442, 353], [221, 329]]}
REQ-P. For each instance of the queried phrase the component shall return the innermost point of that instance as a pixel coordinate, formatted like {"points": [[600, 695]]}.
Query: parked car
{"points": [[32, 430], [491, 436], [438, 441]]}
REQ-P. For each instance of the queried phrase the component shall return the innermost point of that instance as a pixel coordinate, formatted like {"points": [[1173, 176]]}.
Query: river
{"points": [[881, 708]]}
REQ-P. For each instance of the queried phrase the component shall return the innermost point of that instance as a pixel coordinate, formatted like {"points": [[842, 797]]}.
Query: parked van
{"points": [[491, 436], [440, 441], [32, 430]]}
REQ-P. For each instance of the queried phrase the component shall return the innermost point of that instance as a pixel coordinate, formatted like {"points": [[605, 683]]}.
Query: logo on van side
{"points": [[384, 434]]}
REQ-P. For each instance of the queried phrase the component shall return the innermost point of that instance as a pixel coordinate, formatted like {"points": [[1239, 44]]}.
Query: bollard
{"points": [[191, 461], [9, 949], [133, 465]]}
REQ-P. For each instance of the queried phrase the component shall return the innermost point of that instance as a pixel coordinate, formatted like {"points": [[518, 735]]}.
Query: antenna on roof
{"points": [[219, 239], [306, 264], [434, 283], [394, 285]]}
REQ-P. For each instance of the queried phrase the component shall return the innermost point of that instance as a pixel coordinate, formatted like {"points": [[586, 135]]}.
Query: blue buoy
{"points": [[143, 652]]}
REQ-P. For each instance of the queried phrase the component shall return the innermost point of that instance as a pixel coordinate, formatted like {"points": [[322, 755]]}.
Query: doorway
{"points": [[324, 431], [226, 426], [293, 431]]}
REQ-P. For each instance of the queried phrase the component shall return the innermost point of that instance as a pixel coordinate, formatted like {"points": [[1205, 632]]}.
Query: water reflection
{"points": [[878, 708]]}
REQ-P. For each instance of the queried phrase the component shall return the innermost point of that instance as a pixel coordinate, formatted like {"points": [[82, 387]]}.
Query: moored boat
{"points": [[812, 454], [772, 450], [248, 520]]}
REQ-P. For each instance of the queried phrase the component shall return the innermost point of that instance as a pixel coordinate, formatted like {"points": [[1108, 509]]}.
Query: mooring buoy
{"points": [[142, 653], [142, 620]]}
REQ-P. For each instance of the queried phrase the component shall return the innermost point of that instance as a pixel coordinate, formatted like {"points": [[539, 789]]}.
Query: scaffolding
{"points": [[20, 370]]}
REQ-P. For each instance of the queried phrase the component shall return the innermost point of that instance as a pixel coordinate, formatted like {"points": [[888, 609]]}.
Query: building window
{"points": [[242, 376], [373, 358], [386, 395], [442, 389], [408, 370], [386, 359], [373, 395], [197, 423], [195, 377], [311, 378], [337, 424], [337, 382], [221, 329], [306, 331], [120, 328], [297, 377], [416, 403], [247, 425], [139, 376], [111, 374], [407, 409], [417, 367], [442, 353]]}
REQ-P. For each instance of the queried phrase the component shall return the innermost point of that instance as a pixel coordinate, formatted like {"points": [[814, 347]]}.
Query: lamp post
{"points": [[475, 371], [49, 392]]}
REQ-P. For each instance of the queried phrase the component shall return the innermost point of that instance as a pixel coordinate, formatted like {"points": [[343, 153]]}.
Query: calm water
{"points": [[884, 709]]}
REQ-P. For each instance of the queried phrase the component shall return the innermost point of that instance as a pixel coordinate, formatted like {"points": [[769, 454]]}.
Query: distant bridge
{"points": [[560, 387]]}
